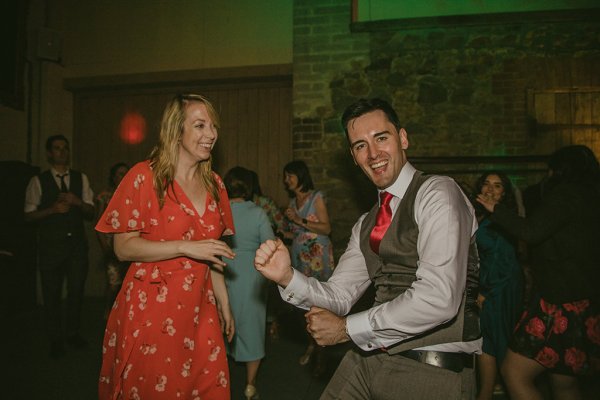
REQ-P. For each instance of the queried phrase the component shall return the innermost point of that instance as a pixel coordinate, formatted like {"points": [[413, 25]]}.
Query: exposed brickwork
{"points": [[460, 91]]}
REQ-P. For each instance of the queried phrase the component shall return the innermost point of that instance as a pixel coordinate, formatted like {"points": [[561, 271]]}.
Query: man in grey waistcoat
{"points": [[416, 246], [59, 199]]}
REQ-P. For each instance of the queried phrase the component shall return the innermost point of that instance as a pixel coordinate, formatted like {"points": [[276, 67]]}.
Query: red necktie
{"points": [[384, 218]]}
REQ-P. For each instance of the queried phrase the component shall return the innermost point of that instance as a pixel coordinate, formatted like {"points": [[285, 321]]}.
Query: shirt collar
{"points": [[398, 188], [54, 172]]}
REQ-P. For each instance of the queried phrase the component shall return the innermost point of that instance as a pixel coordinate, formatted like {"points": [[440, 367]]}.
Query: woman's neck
{"points": [[301, 198]]}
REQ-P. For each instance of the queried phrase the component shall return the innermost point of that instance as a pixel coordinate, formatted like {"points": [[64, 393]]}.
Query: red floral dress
{"points": [[163, 339]]}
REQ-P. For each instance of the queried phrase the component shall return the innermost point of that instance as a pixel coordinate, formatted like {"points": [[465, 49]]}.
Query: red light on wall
{"points": [[133, 128]]}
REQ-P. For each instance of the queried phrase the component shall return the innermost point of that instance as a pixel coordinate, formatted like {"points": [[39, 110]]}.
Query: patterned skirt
{"points": [[564, 338]]}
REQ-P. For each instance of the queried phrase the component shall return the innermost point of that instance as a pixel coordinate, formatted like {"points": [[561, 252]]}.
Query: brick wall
{"points": [[460, 90]]}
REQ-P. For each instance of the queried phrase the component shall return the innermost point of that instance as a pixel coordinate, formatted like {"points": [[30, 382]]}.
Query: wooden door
{"points": [[566, 116]]}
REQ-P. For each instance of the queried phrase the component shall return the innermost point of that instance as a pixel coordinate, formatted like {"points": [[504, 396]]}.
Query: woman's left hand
{"points": [[480, 300], [226, 320]]}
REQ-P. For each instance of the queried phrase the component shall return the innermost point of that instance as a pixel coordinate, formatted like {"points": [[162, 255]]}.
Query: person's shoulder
{"points": [[440, 182], [218, 180], [254, 208], [319, 193], [141, 168]]}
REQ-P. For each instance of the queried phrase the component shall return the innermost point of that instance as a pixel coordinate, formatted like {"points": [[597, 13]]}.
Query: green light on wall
{"points": [[374, 10]]}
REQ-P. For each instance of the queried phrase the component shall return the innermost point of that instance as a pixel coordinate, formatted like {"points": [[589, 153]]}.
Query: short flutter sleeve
{"points": [[133, 204], [224, 207]]}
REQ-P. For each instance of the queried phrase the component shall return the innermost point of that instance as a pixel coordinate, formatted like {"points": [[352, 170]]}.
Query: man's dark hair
{"points": [[364, 106], [300, 169], [238, 182], [54, 138]]}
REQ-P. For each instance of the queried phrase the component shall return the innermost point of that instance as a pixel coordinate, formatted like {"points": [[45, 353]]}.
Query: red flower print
{"points": [[547, 357], [575, 358], [536, 328], [548, 308], [560, 323], [592, 325], [577, 306]]}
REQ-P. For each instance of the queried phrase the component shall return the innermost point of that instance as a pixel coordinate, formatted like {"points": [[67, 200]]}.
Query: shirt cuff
{"points": [[360, 331], [296, 291]]}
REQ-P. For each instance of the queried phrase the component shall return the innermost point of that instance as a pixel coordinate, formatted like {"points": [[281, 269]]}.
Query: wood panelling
{"points": [[255, 129], [567, 116]]}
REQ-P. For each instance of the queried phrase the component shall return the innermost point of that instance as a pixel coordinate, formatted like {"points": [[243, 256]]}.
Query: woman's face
{"points": [[493, 188], [290, 181], [199, 133]]}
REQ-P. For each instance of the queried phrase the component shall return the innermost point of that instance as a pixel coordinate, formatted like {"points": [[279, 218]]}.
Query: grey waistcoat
{"points": [[394, 270]]}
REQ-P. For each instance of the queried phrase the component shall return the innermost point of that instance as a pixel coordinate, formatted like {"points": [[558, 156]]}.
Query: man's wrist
{"points": [[346, 337], [287, 278]]}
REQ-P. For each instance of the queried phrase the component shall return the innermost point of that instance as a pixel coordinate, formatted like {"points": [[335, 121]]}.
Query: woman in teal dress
{"points": [[500, 282], [308, 227], [246, 287]]}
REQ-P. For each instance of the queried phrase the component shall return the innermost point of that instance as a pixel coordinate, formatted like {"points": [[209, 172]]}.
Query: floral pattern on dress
{"points": [[273, 212], [564, 338], [163, 339], [312, 254]]}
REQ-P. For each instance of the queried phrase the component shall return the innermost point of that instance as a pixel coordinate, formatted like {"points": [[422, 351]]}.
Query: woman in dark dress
{"points": [[500, 281], [559, 331]]}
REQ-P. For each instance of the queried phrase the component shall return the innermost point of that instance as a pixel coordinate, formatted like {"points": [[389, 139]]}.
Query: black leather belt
{"points": [[454, 362]]}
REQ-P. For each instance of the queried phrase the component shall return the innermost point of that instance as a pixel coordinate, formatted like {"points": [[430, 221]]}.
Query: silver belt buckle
{"points": [[431, 358]]}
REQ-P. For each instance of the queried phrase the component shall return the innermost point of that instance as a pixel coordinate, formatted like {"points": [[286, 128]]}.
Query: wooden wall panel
{"points": [[255, 129]]}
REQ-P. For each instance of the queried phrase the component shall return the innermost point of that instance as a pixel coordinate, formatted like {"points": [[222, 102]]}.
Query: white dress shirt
{"points": [[447, 225], [33, 193]]}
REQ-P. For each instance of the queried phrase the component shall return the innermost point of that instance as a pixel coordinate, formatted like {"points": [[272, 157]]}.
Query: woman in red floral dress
{"points": [[163, 339]]}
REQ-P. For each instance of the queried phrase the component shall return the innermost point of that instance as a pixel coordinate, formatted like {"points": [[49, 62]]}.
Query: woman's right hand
{"points": [[292, 215], [207, 250], [486, 201]]}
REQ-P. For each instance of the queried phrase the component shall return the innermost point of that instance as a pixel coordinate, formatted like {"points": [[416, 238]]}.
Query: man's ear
{"points": [[403, 138], [353, 159]]}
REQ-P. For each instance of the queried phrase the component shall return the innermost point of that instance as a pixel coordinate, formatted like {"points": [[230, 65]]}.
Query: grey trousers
{"points": [[380, 376]]}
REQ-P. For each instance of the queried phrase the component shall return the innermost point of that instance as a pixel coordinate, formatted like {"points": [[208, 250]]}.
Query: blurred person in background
{"points": [[115, 269], [500, 282], [559, 332], [247, 288]]}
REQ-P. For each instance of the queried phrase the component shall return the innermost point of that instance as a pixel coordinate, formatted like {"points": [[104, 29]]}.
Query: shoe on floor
{"points": [[57, 349], [251, 393], [76, 341]]}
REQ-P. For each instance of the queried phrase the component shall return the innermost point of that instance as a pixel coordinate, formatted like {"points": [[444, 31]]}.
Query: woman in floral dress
{"points": [[163, 338], [309, 227]]}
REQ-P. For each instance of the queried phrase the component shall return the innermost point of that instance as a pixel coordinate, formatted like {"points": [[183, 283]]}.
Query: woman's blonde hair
{"points": [[165, 155]]}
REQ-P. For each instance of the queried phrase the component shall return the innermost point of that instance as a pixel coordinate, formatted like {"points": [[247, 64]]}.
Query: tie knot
{"points": [[385, 198], [61, 176]]}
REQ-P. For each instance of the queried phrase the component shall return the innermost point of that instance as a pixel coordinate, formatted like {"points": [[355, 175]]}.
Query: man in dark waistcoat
{"points": [[416, 246], [58, 200]]}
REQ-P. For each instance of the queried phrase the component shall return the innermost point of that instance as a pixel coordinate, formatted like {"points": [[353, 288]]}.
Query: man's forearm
{"points": [[37, 215]]}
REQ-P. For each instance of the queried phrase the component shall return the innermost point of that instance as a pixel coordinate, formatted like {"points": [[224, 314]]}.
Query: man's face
{"points": [[377, 147], [59, 153]]}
